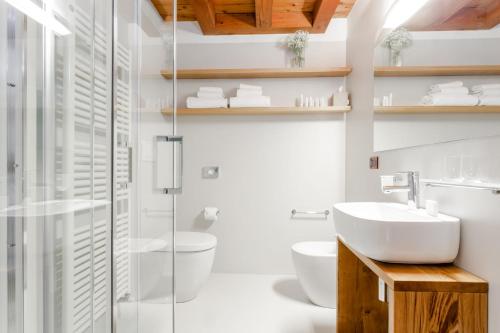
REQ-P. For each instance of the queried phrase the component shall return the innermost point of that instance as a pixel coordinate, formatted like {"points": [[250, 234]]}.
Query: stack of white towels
{"points": [[456, 94], [207, 97], [451, 93], [488, 94], [249, 96]]}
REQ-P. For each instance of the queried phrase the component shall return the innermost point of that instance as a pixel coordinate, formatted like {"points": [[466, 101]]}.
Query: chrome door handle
{"points": [[176, 187]]}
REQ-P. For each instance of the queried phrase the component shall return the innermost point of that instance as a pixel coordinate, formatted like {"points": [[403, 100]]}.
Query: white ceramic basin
{"points": [[392, 232]]}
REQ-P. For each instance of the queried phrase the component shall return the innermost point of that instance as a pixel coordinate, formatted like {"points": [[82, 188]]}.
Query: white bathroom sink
{"points": [[392, 232]]}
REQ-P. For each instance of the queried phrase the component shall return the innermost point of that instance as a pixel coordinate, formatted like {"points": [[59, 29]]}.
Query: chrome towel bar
{"points": [[494, 188], [325, 212]]}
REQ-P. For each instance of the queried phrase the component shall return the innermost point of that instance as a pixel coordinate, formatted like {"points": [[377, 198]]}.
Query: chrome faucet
{"points": [[403, 182]]}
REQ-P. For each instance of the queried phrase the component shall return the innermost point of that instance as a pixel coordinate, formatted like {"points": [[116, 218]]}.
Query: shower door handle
{"points": [[173, 166]]}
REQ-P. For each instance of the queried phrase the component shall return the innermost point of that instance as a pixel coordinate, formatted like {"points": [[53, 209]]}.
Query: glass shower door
{"points": [[55, 158], [146, 163]]}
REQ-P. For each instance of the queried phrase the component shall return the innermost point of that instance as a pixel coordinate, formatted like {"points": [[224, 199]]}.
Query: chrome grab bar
{"points": [[157, 212], [325, 212]]}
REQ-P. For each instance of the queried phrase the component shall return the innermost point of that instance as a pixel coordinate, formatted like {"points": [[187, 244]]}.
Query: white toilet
{"points": [[316, 267], [195, 252]]}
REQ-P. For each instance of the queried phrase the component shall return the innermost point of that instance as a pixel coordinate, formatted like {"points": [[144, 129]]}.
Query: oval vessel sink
{"points": [[392, 232]]}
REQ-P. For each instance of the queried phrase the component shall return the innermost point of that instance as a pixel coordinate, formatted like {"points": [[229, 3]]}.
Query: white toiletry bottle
{"points": [[432, 207], [341, 97]]}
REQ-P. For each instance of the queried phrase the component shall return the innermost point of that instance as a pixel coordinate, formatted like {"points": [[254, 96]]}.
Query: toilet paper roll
{"points": [[210, 213]]}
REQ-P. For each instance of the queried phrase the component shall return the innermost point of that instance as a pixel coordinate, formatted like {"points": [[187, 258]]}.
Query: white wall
{"points": [[269, 164], [479, 211], [268, 167]]}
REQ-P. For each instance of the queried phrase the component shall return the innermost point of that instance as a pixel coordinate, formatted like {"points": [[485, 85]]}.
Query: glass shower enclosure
{"points": [[81, 206], [144, 224]]}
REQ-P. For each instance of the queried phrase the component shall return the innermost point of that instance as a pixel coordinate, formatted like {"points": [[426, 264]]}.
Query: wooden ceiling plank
{"points": [[235, 8], [297, 20], [244, 24], [323, 13], [293, 6], [264, 13], [204, 11]]}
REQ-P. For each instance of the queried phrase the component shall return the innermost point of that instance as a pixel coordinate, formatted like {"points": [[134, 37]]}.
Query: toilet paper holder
{"points": [[216, 213], [210, 214]]}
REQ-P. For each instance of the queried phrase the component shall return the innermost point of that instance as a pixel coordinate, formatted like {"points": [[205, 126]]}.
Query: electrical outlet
{"points": [[374, 162], [382, 292]]}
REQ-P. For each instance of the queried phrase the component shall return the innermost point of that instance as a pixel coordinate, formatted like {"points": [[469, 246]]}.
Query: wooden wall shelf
{"points": [[418, 298], [436, 71], [258, 111], [249, 73], [424, 109]]}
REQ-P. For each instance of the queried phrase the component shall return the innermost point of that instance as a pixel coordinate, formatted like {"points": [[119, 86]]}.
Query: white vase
{"points": [[395, 58]]}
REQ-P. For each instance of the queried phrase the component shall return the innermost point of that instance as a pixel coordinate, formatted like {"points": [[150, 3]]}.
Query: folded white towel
{"points": [[451, 91], [489, 100], [481, 87], [208, 94], [248, 92], [256, 101], [211, 89], [248, 86], [197, 103], [455, 100], [489, 92], [447, 85]]}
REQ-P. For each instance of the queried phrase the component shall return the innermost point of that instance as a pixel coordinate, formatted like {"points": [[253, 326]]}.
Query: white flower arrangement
{"points": [[398, 40], [297, 43]]}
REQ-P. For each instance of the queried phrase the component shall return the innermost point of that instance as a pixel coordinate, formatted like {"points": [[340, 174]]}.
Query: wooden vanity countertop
{"points": [[410, 277]]}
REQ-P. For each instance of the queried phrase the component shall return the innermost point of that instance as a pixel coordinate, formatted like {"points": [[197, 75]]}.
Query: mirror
{"points": [[437, 75]]}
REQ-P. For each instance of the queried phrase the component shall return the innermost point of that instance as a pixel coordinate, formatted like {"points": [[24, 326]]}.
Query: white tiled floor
{"points": [[241, 303]]}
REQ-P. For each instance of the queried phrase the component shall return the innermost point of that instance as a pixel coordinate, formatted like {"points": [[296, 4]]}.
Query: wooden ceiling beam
{"points": [[264, 13], [225, 17], [439, 15], [464, 20], [435, 13], [493, 15], [204, 11], [483, 14], [323, 13]]}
